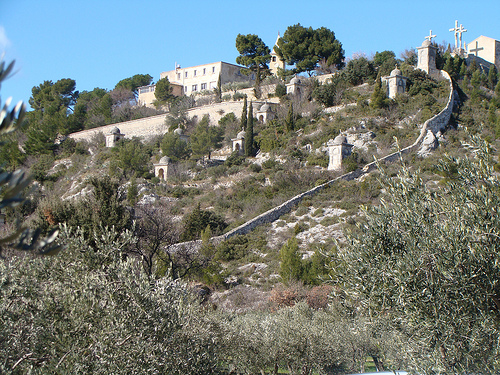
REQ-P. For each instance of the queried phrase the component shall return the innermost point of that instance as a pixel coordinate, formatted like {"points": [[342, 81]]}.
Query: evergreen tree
{"points": [[378, 98], [218, 90], [249, 132], [492, 77], [244, 114], [463, 70], [291, 261], [290, 120]]}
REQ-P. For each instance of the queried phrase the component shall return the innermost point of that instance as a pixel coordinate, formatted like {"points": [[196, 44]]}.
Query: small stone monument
{"points": [[164, 168], [265, 114], [338, 149], [239, 143], [395, 83], [113, 136], [427, 55], [295, 86]]}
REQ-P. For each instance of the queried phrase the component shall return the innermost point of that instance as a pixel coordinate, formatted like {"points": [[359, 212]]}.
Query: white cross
{"points": [[455, 29], [460, 31], [429, 38]]}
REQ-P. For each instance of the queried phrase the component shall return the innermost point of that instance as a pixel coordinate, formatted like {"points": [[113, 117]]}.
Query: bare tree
{"points": [[155, 230]]}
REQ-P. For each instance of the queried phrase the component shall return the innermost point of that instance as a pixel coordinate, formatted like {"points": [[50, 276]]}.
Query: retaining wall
{"points": [[155, 125]]}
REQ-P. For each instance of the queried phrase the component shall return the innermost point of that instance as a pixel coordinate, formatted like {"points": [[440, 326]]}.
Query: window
{"points": [[213, 69], [194, 74], [204, 71], [178, 75], [203, 86], [186, 74], [185, 89], [274, 58], [194, 88]]}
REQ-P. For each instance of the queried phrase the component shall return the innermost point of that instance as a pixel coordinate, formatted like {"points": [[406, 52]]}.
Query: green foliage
{"points": [[330, 94], [249, 132], [304, 48], [244, 114], [90, 312], [419, 82], [205, 138], [359, 71], [174, 147], [198, 220], [134, 82], [13, 185], [429, 259], [163, 91], [291, 267], [280, 90], [254, 54], [384, 62], [379, 98], [133, 157]]}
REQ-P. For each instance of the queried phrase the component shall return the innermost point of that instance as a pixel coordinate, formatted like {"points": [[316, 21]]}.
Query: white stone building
{"points": [[338, 149], [485, 48], [395, 83]]}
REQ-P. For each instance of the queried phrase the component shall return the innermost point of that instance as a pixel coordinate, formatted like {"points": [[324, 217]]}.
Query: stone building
{"points": [[183, 137], [239, 143], [265, 113], [276, 62], [146, 94], [164, 168], [338, 149], [395, 83], [295, 87], [485, 48], [427, 56], [113, 136], [187, 81]]}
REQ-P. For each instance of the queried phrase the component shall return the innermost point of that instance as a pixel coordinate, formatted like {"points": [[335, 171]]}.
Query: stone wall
{"points": [[155, 125]]}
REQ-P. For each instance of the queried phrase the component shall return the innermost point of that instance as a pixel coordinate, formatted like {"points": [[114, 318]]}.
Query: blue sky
{"points": [[99, 42]]}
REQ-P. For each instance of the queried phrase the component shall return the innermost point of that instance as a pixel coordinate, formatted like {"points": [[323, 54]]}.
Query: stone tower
{"points": [[239, 143], [395, 83], [427, 56], [338, 149], [276, 62], [113, 136]]}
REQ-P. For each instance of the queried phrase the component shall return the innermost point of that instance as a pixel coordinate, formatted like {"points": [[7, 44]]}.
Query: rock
{"points": [[429, 144]]}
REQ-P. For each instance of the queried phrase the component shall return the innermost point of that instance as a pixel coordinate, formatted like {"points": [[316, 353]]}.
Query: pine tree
{"points": [[249, 132], [244, 114]]}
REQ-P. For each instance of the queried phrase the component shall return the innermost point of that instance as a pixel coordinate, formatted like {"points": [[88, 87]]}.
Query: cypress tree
{"points": [[249, 132], [289, 121], [378, 99], [244, 114], [492, 77]]}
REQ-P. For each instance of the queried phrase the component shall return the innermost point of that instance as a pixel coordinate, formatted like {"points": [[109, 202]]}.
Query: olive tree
{"points": [[429, 258]]}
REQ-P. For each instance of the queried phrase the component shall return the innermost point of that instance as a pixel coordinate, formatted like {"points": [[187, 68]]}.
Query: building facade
{"points": [[485, 48], [205, 77]]}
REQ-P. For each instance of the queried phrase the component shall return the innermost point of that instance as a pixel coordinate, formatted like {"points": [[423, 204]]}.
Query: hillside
{"points": [[289, 161], [268, 258]]}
